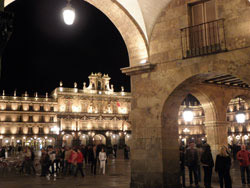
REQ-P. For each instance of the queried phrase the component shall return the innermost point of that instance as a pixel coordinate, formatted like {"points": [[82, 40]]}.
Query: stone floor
{"points": [[117, 176]]}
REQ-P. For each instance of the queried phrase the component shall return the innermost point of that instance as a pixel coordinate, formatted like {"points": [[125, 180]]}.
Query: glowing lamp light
{"points": [[55, 129], [238, 137], [144, 61], [186, 130], [245, 137], [240, 117], [188, 115], [68, 14]]}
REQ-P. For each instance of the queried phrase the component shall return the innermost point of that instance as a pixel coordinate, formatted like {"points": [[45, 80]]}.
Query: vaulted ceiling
{"points": [[144, 12]]}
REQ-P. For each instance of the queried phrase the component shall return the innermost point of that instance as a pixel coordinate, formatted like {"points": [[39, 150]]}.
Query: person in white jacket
{"points": [[102, 158]]}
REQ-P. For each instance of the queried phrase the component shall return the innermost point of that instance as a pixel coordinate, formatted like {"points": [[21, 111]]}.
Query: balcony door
{"points": [[203, 31]]}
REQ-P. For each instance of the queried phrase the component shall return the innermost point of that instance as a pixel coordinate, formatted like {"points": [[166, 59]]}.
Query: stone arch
{"points": [[84, 139], [6, 141], [131, 32], [148, 106], [99, 139], [169, 118], [67, 140]]}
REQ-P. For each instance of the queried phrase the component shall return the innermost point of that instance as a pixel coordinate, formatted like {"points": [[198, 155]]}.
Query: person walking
{"points": [[67, 164], [79, 161], [208, 163], [222, 167], [102, 158], [52, 157], [243, 157], [44, 163], [192, 161], [73, 161], [93, 159]]}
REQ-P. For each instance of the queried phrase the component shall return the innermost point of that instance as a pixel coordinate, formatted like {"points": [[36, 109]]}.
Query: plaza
{"points": [[174, 49], [117, 176]]}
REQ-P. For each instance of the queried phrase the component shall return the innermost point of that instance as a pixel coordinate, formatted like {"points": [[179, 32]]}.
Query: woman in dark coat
{"points": [[222, 166], [208, 164]]}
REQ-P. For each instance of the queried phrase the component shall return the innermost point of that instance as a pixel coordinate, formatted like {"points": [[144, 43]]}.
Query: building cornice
{"points": [[147, 67]]}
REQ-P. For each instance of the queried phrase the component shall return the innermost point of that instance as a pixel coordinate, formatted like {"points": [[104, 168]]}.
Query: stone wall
{"points": [[165, 41], [158, 94]]}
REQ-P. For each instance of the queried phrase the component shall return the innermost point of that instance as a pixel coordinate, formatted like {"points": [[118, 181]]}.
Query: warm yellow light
{"points": [[2, 130], [122, 110], [62, 108], [76, 108], [90, 109]]}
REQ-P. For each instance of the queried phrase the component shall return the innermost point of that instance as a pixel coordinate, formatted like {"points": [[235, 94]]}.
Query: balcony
{"points": [[203, 39]]}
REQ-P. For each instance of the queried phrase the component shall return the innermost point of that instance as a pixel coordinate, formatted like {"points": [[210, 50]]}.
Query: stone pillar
{"points": [[217, 133], [155, 158], [146, 163]]}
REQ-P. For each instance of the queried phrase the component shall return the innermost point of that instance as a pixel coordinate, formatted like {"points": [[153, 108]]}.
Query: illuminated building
{"points": [[70, 116]]}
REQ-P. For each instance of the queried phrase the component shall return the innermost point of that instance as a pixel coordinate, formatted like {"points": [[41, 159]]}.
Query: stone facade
{"points": [[69, 116]]}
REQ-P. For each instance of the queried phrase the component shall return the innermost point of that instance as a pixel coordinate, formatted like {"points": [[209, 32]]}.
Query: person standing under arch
{"points": [[208, 164], [222, 167], [243, 157], [192, 161]]}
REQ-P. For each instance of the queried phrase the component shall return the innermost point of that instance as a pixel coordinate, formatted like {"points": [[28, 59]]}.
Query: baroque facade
{"points": [[94, 114], [195, 130]]}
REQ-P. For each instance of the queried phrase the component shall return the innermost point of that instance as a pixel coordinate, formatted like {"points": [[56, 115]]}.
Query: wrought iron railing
{"points": [[203, 39]]}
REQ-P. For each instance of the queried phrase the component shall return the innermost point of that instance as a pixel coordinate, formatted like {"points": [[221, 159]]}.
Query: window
{"points": [[99, 85]]}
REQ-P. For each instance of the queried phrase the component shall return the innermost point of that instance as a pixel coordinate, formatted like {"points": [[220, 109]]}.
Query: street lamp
{"points": [[188, 115], [69, 14], [240, 115]]}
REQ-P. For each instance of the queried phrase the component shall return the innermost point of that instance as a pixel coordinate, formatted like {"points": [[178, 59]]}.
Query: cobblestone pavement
{"points": [[117, 176]]}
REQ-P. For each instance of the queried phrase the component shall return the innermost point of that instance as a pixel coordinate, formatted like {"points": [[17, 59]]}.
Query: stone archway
{"points": [[130, 31], [99, 139], [151, 92]]}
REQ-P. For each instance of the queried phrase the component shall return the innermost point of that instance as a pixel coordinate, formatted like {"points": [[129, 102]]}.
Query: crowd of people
{"points": [[196, 156], [68, 161], [65, 160]]}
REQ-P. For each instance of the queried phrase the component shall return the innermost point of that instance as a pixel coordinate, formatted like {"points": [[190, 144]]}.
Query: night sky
{"points": [[43, 50]]}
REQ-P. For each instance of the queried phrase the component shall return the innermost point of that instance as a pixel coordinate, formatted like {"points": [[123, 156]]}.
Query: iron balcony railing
{"points": [[203, 39]]}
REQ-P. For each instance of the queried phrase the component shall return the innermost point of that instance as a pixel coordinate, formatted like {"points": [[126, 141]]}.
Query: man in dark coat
{"points": [[192, 161]]}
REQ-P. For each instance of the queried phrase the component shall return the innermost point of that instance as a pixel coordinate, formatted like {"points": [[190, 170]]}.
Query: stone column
{"points": [[155, 158], [217, 133]]}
